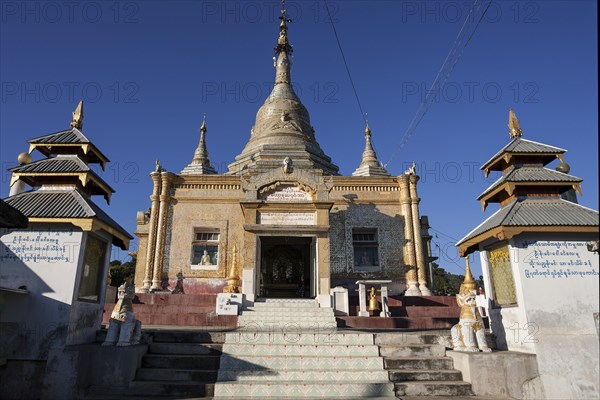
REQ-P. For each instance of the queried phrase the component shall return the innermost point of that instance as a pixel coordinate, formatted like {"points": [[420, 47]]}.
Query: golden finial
{"points": [[468, 283], [514, 125], [282, 41], [367, 129], [158, 167], [77, 121], [203, 126]]}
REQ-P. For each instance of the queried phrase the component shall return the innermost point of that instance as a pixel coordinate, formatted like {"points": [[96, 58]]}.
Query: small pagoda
{"points": [[532, 198], [55, 267], [63, 182], [540, 267]]}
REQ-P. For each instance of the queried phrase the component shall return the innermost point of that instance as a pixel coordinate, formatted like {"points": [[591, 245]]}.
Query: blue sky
{"points": [[148, 70]]}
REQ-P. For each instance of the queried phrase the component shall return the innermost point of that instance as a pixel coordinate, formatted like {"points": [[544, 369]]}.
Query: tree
{"points": [[121, 273], [446, 283]]}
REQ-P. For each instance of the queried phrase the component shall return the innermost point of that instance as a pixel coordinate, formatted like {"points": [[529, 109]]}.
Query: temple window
{"points": [[503, 284], [366, 248], [93, 269], [205, 247]]}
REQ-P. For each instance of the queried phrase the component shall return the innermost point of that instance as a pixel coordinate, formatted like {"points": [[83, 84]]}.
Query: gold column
{"points": [[409, 247], [421, 272], [161, 232], [149, 264]]}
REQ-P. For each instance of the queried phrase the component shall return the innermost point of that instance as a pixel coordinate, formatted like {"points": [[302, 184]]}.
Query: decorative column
{"points": [[149, 265], [412, 288], [161, 231], [418, 240]]}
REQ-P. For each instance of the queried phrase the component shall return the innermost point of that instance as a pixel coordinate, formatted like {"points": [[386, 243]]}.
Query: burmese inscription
{"points": [[287, 193], [557, 259], [273, 218]]}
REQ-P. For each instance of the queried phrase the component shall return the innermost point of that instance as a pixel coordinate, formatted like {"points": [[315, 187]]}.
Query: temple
{"points": [[298, 227]]}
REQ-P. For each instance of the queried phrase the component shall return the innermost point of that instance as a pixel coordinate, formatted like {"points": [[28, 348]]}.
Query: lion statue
{"points": [[469, 334], [123, 328]]}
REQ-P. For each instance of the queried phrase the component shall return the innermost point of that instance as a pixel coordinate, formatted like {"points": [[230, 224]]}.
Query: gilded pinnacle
{"points": [[514, 125], [77, 121], [468, 283], [283, 44]]}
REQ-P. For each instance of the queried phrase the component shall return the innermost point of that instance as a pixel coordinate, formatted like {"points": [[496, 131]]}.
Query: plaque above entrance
{"points": [[286, 194], [286, 218]]}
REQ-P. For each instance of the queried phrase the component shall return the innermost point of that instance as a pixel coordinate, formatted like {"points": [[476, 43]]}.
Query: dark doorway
{"points": [[285, 267]]}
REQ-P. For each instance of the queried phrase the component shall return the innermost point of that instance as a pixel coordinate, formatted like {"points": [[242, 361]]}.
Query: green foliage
{"points": [[448, 284], [121, 273]]}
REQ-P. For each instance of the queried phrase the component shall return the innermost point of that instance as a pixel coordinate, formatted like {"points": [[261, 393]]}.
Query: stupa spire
{"points": [[514, 125], [77, 121], [200, 163], [282, 127], [468, 283], [283, 50], [369, 164]]}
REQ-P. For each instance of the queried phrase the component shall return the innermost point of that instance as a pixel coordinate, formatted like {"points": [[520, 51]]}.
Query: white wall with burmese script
{"points": [[560, 278]]}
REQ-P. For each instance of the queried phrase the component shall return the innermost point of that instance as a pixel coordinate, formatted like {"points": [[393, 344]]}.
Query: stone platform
{"points": [[167, 309], [415, 313]]}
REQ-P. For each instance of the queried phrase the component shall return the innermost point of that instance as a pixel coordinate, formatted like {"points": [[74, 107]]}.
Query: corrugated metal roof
{"points": [[68, 136], [537, 212], [523, 146], [532, 174], [60, 163], [67, 203]]}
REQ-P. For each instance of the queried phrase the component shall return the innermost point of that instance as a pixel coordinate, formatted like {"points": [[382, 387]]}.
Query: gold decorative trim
{"points": [[364, 188], [208, 186]]}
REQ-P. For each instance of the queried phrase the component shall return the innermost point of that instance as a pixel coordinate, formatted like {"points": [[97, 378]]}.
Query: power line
{"points": [[436, 86], [362, 113]]}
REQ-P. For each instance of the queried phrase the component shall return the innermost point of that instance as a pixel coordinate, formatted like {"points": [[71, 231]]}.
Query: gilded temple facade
{"points": [[294, 225]]}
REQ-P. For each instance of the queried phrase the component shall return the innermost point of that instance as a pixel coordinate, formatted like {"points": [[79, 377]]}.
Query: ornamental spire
{"points": [[468, 283], [283, 45], [200, 163], [369, 165], [77, 121], [283, 50], [514, 125]]}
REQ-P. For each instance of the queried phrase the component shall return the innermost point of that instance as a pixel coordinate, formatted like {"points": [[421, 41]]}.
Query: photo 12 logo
{"points": [[69, 12]]}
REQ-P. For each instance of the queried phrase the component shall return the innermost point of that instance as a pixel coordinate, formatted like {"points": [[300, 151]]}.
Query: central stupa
{"points": [[282, 128]]}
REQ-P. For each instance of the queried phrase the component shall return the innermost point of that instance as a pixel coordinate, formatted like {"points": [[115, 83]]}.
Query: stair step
{"points": [[418, 363], [318, 363], [433, 388], [290, 350], [147, 389], [355, 376], [180, 361], [292, 337], [297, 310], [185, 348], [277, 389], [189, 336], [170, 374], [402, 338], [425, 375], [413, 350]]}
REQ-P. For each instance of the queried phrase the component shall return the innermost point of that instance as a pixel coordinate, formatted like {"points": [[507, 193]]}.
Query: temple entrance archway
{"points": [[286, 267]]}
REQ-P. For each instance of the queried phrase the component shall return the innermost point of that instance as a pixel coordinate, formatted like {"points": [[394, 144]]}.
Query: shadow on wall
{"points": [[30, 326]]}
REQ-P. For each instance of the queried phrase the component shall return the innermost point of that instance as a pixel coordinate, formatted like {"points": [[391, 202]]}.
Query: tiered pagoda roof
{"points": [[529, 194], [63, 182]]}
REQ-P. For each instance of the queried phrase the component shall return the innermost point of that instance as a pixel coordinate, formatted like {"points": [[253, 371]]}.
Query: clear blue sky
{"points": [[148, 70]]}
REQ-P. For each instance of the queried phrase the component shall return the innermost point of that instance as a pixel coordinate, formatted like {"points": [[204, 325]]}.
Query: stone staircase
{"points": [[418, 366], [179, 364], [292, 349]]}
